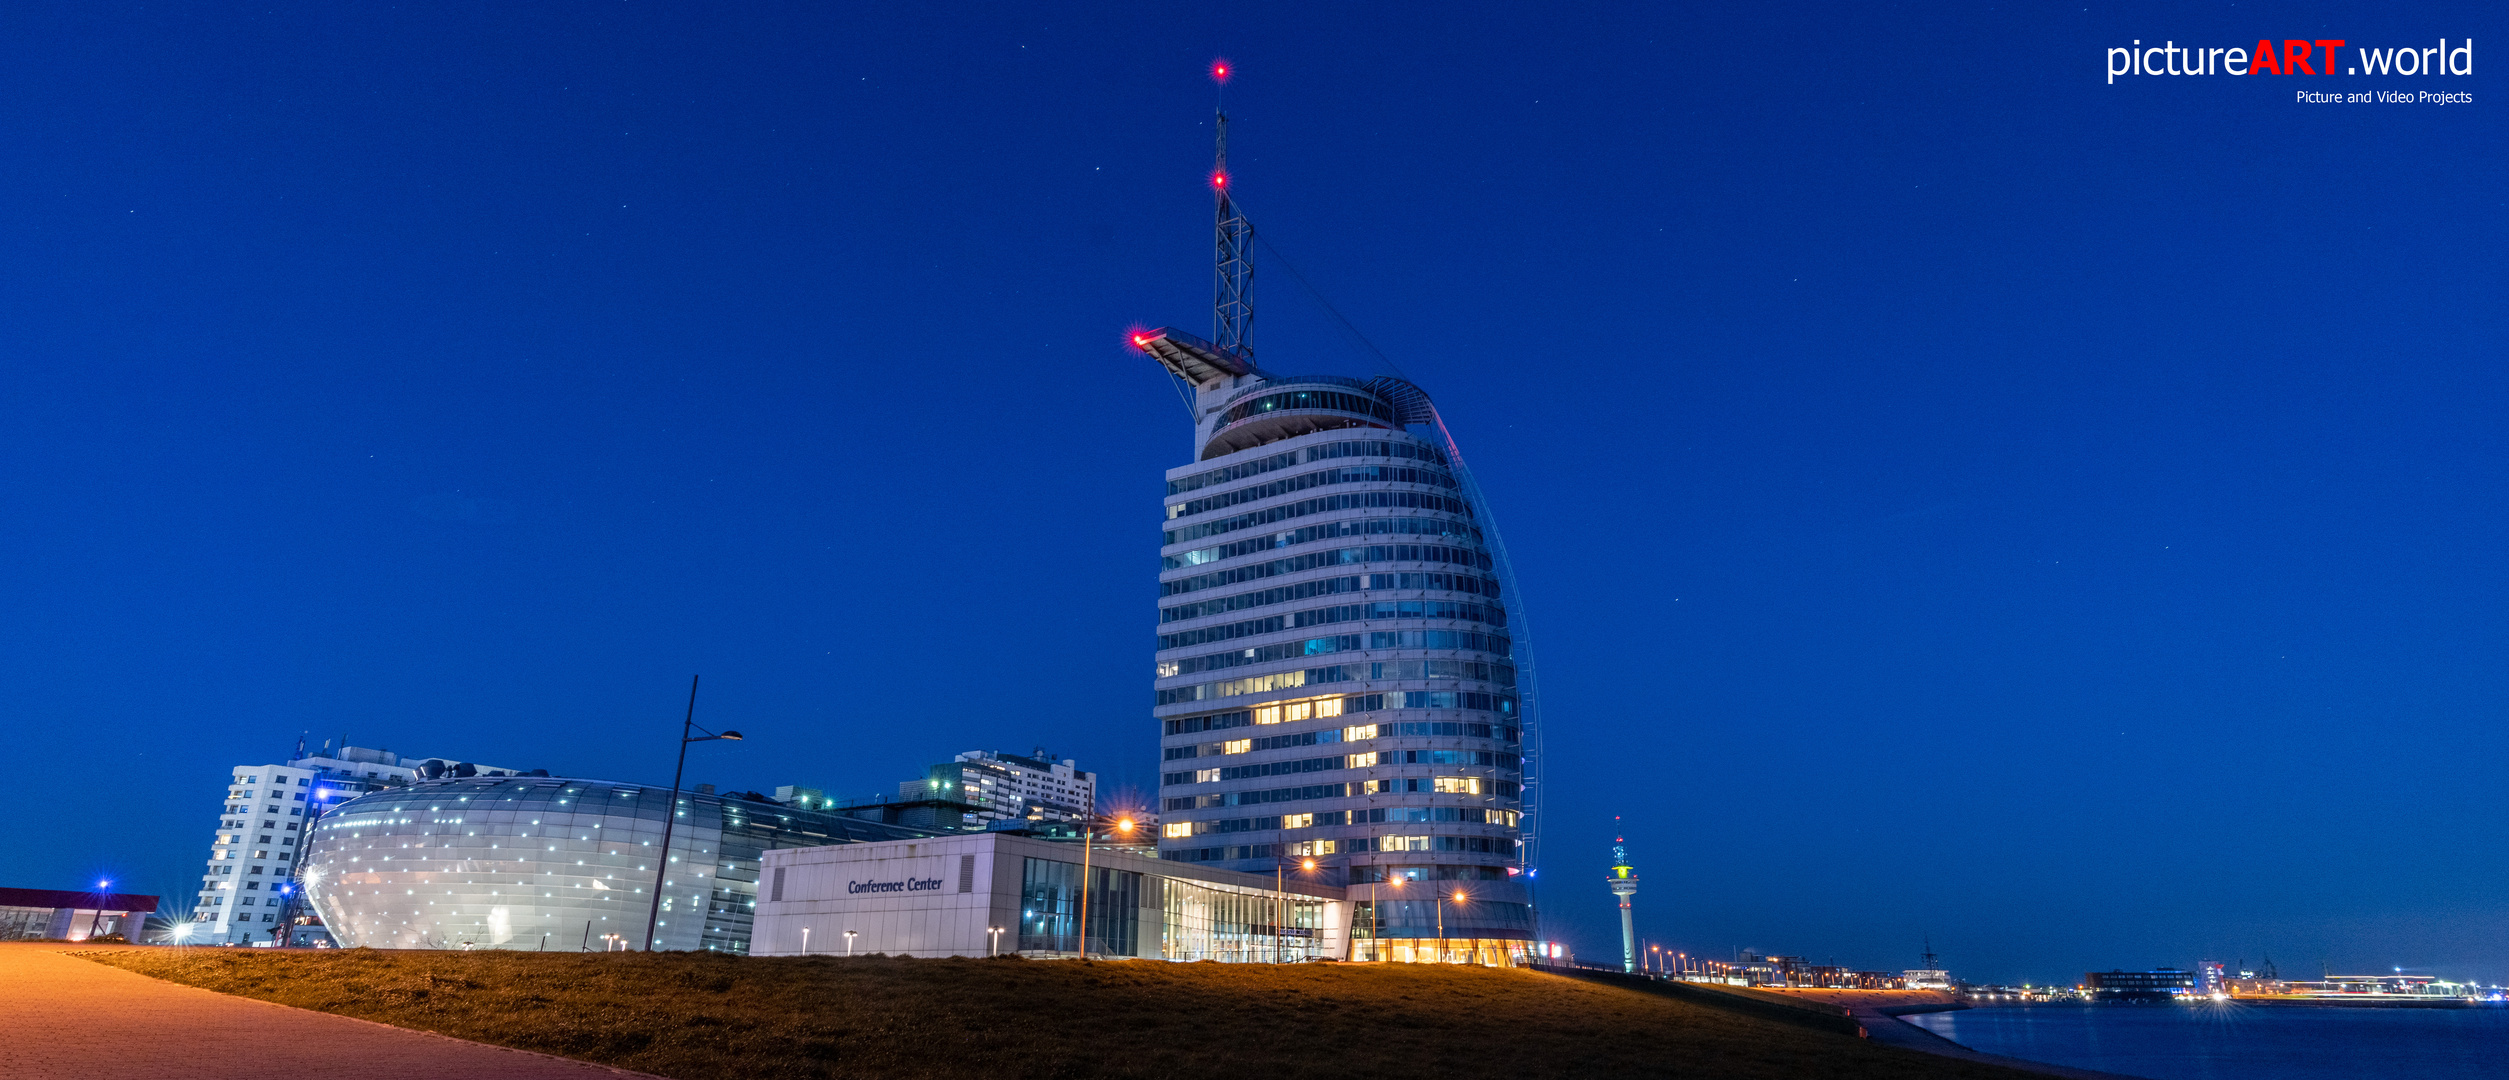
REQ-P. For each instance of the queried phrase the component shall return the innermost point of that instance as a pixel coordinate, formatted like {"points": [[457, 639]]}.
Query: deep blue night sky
{"points": [[1953, 495]]}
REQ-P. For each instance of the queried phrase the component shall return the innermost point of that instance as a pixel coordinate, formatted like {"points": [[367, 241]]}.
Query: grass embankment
{"points": [[710, 1017]]}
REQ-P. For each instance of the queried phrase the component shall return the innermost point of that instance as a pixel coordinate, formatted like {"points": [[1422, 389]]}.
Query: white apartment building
{"points": [[1010, 786], [261, 832]]}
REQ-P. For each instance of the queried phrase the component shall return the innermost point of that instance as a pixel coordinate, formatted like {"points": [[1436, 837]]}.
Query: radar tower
{"points": [[1624, 883]]}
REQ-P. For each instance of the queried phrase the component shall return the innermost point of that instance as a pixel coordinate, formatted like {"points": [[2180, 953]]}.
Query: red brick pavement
{"points": [[63, 1018]]}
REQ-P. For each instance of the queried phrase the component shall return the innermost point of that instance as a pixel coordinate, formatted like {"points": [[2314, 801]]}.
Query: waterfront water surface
{"points": [[2241, 1042]]}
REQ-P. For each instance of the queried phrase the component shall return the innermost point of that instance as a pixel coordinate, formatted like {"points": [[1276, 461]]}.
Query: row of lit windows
{"points": [[1334, 735], [1505, 789], [1264, 684], [1453, 785], [1282, 594], [1259, 798], [1384, 448], [1468, 815], [1502, 674], [1322, 504], [1362, 875], [1245, 746], [1351, 734], [1273, 714], [1347, 474], [1259, 769], [1501, 732], [1303, 848], [1449, 528], [1350, 556], [1315, 708], [1491, 614]]}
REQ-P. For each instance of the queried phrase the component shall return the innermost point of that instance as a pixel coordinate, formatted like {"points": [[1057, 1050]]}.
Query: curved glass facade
{"points": [[513, 862], [1335, 400], [1419, 686]]}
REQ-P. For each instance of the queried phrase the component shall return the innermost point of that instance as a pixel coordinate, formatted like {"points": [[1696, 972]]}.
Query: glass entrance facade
{"points": [[1049, 909], [1213, 922]]}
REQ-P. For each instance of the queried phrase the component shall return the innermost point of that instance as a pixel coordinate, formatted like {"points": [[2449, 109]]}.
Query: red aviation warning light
{"points": [[1220, 71], [1219, 179]]}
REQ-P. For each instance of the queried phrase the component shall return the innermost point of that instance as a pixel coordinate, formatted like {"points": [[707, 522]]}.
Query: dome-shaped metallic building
{"points": [[516, 862]]}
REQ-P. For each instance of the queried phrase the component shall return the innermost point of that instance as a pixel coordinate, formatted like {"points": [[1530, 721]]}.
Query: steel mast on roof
{"points": [[1232, 291]]}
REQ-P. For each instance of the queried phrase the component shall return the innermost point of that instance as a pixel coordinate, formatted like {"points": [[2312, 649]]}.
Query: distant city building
{"points": [[253, 856], [2158, 984], [1010, 786], [70, 915], [1752, 968], [513, 862], [972, 791]]}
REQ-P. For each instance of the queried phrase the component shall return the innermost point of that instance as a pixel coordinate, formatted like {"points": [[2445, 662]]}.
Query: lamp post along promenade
{"points": [[1088, 838], [671, 813]]}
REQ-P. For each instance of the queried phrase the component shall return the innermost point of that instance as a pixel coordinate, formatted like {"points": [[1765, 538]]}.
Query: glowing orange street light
{"points": [[1376, 916], [1089, 835], [1458, 899]]}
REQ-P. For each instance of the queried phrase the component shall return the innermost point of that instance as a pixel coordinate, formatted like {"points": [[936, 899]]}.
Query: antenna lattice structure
{"points": [[1232, 292]]}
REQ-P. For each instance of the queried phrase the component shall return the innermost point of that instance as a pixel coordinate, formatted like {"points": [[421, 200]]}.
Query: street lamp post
{"points": [[671, 811], [1376, 914], [849, 943], [1458, 900], [995, 932], [805, 941], [1280, 898], [1088, 837]]}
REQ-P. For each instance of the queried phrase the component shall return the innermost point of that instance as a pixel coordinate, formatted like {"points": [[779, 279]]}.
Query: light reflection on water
{"points": [[2241, 1042]]}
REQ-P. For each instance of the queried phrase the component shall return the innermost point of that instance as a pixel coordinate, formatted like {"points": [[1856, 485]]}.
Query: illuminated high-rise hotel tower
{"points": [[1340, 689]]}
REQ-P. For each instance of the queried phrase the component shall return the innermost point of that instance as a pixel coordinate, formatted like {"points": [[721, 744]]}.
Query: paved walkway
{"points": [[63, 1018]]}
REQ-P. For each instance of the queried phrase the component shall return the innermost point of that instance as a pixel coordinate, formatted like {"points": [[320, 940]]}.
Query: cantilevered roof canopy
{"points": [[1196, 361]]}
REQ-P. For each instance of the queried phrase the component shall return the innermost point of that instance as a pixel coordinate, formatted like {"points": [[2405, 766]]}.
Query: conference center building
{"points": [[983, 894], [1337, 691]]}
